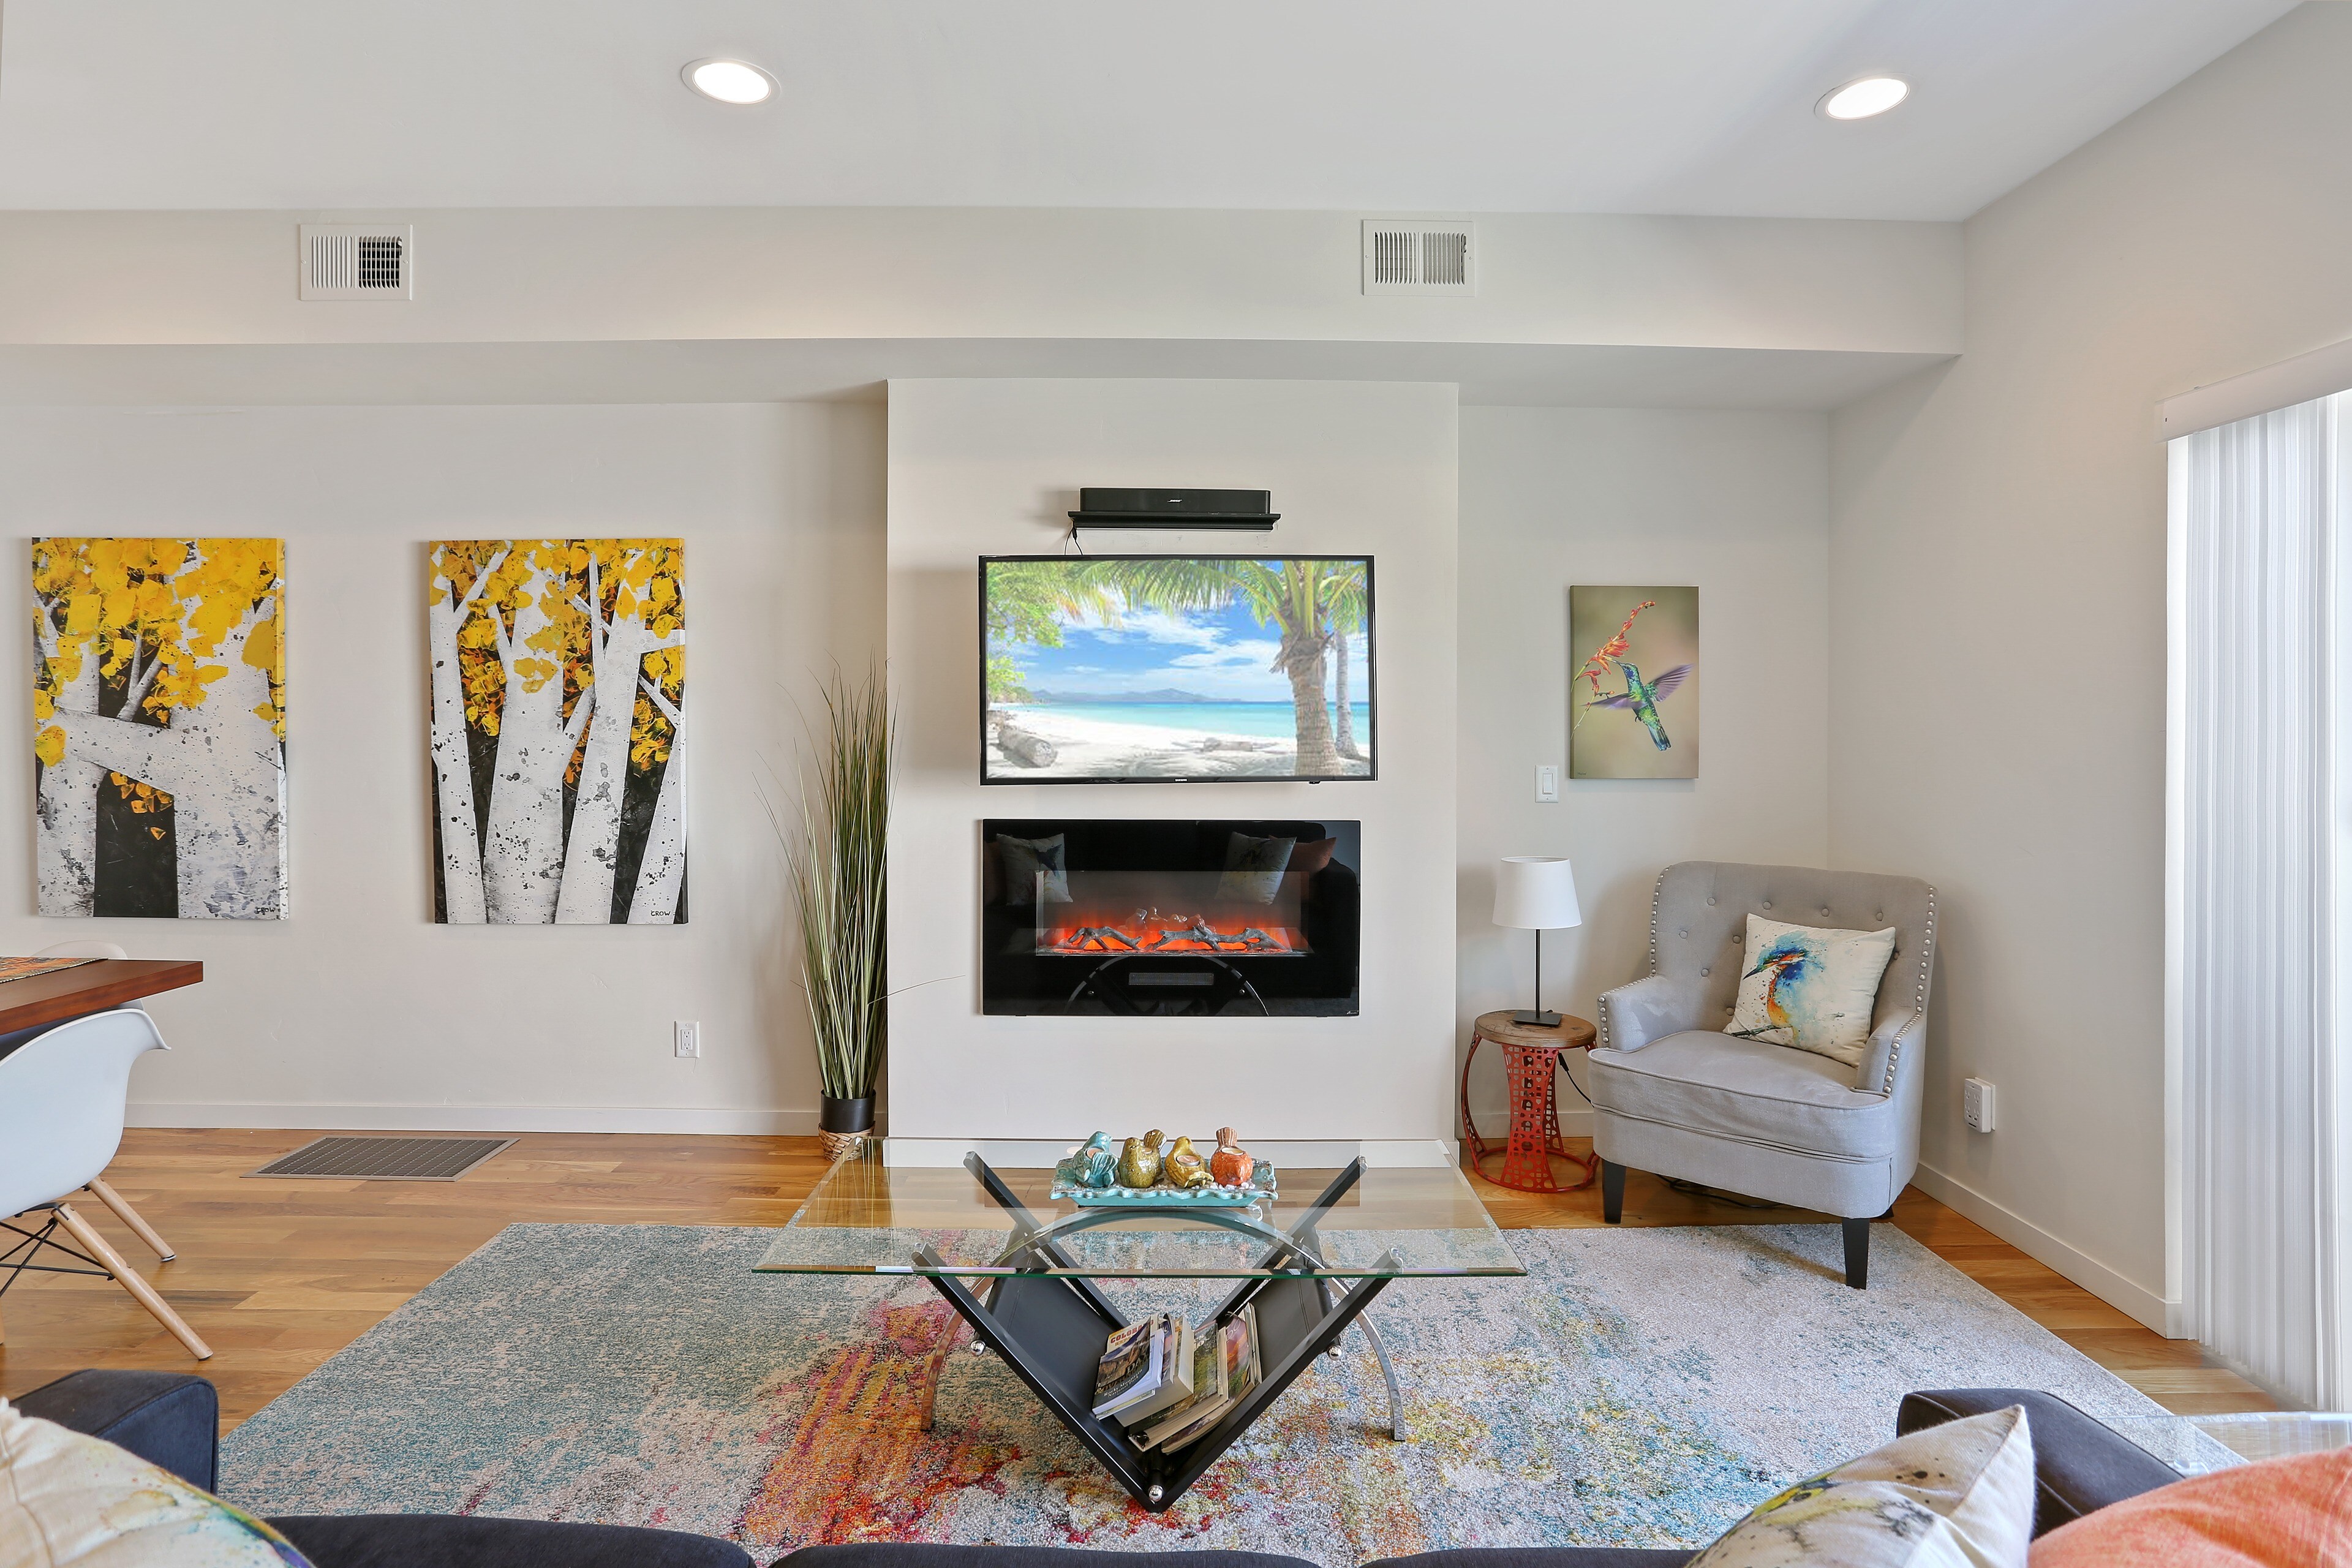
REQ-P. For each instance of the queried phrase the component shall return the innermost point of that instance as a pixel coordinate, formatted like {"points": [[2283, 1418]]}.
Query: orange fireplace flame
{"points": [[1082, 937]]}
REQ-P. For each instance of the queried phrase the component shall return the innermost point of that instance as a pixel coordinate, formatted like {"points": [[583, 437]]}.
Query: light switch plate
{"points": [[1547, 781]]}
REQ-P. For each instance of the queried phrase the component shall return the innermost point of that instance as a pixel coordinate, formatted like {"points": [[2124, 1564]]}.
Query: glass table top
{"points": [[1396, 1209], [2194, 1445]]}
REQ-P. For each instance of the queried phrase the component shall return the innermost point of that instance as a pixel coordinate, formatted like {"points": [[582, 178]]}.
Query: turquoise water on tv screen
{"points": [[1270, 721]]}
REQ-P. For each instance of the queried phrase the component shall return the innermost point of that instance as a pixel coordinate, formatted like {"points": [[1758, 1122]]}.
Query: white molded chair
{"points": [[106, 1195], [83, 949], [62, 1107]]}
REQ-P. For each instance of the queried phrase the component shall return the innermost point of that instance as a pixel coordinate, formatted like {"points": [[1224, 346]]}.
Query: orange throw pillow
{"points": [[2295, 1512]]}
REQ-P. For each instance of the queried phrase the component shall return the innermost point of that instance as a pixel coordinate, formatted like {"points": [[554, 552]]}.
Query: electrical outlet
{"points": [[689, 1039], [1976, 1104], [1547, 781]]}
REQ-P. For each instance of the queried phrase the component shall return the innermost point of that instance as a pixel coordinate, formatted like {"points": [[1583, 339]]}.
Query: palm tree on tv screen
{"points": [[1294, 594], [1027, 602], [1344, 605]]}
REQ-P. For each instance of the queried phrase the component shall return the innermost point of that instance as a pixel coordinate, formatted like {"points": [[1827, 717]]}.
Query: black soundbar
{"points": [[1100, 507]]}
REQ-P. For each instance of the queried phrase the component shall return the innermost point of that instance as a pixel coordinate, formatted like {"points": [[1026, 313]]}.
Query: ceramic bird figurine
{"points": [[1184, 1168], [1138, 1164], [1092, 1164], [1231, 1165], [1640, 698]]}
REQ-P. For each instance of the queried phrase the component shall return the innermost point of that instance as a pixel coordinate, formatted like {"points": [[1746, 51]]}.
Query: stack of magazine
{"points": [[1169, 1385]]}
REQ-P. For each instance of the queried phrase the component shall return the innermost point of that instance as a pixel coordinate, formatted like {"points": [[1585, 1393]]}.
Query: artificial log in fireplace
{"points": [[1169, 919]]}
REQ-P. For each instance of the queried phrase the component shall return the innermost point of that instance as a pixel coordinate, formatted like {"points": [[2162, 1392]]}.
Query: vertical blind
{"points": [[2259, 928]]}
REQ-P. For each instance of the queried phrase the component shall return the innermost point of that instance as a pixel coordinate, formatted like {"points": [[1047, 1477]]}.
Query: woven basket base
{"points": [[836, 1145]]}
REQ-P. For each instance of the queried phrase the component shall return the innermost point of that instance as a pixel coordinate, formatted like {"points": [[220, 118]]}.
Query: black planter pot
{"points": [[845, 1115]]}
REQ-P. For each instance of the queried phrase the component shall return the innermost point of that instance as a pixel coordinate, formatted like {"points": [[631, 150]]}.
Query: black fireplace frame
{"points": [[1324, 982]]}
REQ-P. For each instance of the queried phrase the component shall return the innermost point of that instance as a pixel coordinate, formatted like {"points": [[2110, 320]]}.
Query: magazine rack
{"points": [[1051, 1329], [1028, 1286]]}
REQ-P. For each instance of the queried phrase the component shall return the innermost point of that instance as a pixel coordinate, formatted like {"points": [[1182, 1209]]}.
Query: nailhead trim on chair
{"points": [[1918, 996], [1657, 892], [1919, 992]]}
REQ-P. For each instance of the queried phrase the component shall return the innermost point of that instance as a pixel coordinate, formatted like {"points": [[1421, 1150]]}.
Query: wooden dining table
{"points": [[38, 1000]]}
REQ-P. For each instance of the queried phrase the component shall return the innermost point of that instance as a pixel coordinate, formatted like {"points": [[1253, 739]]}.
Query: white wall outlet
{"points": [[1976, 1104], [689, 1039], [1547, 781]]}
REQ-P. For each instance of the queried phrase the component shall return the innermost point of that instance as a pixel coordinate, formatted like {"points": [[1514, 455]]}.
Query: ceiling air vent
{"points": [[358, 261], [1413, 255]]}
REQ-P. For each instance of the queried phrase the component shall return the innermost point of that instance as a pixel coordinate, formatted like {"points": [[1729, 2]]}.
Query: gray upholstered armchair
{"points": [[1674, 1095]]}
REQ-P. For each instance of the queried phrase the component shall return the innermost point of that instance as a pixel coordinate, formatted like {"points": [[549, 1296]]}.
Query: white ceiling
{"points": [[1396, 106]]}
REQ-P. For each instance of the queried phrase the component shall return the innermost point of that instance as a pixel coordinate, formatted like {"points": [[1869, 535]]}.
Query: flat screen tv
{"points": [[1165, 669]]}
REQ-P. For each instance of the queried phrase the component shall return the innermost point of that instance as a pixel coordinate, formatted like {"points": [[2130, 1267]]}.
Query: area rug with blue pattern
{"points": [[1637, 1388]]}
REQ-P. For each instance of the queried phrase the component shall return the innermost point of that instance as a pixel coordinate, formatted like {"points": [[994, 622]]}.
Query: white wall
{"points": [[1997, 602], [358, 1011], [991, 467], [1737, 503], [603, 274]]}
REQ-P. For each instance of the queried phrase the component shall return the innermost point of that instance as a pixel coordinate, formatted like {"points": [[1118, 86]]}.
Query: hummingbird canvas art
{"points": [[1634, 690]]}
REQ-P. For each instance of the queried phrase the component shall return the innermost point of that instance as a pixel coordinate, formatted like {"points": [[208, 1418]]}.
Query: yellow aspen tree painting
{"points": [[159, 725], [557, 730]]}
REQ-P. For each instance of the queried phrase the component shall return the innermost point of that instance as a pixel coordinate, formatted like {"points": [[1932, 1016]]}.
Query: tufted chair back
{"points": [[1698, 925]]}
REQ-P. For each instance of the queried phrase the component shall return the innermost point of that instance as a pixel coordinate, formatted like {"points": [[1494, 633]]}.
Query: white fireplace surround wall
{"points": [[989, 468]]}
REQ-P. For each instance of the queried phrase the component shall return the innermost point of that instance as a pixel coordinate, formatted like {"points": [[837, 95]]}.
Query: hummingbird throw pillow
{"points": [[1811, 988]]}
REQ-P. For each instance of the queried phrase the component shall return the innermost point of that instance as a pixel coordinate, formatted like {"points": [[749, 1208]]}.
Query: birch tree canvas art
{"points": [[159, 727], [559, 730]]}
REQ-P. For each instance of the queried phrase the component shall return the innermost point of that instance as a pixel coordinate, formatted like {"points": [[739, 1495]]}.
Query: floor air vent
{"points": [[350, 1159], [357, 261], [1411, 256]]}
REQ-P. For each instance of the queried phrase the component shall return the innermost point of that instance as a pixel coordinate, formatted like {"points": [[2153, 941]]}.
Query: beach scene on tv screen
{"points": [[1172, 666]]}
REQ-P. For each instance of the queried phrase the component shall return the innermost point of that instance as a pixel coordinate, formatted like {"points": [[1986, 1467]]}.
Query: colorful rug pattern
{"points": [[1638, 1388]]}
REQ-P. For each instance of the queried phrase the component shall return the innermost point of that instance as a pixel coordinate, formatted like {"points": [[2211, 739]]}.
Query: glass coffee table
{"points": [[1022, 1267], [2194, 1445]]}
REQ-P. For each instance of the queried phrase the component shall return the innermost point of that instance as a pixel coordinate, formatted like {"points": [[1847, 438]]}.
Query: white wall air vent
{"points": [[1417, 255], [358, 261]]}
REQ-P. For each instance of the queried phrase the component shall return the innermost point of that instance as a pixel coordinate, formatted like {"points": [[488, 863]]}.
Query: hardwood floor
{"points": [[279, 1275]]}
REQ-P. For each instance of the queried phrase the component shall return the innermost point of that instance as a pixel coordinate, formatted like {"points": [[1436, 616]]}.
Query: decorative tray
{"points": [[1261, 1185]]}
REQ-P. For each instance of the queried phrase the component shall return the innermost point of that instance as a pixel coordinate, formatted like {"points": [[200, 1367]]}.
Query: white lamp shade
{"points": [[1536, 892]]}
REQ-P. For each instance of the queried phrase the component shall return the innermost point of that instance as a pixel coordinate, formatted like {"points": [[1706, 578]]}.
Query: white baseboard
{"points": [[2125, 1295], [477, 1118]]}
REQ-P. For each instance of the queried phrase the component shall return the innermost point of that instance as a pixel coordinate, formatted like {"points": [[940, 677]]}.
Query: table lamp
{"points": [[1537, 893]]}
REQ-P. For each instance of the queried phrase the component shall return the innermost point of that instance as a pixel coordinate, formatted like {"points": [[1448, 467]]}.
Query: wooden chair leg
{"points": [[130, 1217], [1857, 1254], [82, 1231]]}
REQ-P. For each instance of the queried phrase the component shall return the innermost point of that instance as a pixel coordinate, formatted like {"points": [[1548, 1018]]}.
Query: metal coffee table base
{"points": [[1051, 1329]]}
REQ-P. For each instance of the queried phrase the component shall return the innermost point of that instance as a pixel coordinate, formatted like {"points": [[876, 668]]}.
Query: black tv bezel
{"points": [[1372, 669]]}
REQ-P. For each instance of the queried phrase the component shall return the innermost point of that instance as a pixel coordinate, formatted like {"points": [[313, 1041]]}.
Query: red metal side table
{"points": [[1530, 1063]]}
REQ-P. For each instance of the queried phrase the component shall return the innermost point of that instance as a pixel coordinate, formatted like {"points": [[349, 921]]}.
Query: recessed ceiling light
{"points": [[729, 81], [1860, 99]]}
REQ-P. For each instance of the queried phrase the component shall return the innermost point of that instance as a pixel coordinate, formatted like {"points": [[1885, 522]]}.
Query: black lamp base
{"points": [[1540, 1020]]}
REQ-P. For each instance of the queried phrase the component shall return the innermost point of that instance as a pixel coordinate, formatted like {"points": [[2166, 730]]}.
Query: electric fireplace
{"points": [[1169, 919]]}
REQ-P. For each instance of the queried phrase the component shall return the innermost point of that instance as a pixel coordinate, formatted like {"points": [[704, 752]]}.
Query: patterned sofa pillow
{"points": [[1253, 868], [1811, 988], [72, 1501], [1955, 1496], [1037, 870]]}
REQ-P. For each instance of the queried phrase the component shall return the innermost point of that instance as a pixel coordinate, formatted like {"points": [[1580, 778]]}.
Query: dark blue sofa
{"points": [[172, 1419]]}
